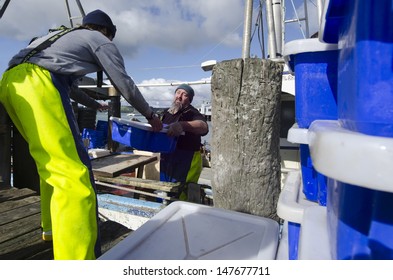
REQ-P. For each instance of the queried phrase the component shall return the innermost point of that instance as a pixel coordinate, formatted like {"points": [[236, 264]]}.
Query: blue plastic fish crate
{"points": [[103, 126], [360, 222], [315, 68], [139, 136], [364, 30], [95, 137], [314, 183]]}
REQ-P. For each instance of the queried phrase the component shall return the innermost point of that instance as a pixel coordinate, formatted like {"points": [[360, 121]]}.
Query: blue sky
{"points": [[162, 41]]}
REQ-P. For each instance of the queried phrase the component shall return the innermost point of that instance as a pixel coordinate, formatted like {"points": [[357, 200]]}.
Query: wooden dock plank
{"points": [[10, 194], [20, 231], [142, 183], [114, 165], [18, 213], [17, 203], [19, 227], [27, 246]]}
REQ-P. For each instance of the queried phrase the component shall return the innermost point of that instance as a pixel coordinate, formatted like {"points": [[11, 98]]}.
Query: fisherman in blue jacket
{"points": [[35, 92]]}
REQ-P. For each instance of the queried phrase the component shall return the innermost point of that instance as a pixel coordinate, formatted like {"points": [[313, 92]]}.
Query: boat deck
{"points": [[20, 232]]}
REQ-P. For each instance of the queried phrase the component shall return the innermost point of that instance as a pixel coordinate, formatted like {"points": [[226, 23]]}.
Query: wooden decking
{"points": [[20, 232]]}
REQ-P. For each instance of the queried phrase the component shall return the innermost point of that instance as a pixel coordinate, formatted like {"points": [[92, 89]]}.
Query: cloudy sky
{"points": [[162, 41]]}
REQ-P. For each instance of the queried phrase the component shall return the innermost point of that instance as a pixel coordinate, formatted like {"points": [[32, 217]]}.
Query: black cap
{"points": [[188, 89], [98, 17]]}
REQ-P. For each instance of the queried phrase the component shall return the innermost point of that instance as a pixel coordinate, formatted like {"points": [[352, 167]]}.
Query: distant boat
{"points": [[206, 110]]}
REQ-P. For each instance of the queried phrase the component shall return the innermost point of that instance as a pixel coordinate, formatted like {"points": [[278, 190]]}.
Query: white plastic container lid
{"points": [[186, 230], [314, 241], [351, 157], [292, 202], [297, 135], [304, 46]]}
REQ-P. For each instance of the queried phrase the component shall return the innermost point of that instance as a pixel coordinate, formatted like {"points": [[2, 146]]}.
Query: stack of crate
{"points": [[344, 103]]}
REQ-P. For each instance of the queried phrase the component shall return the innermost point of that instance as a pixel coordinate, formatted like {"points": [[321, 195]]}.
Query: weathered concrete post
{"points": [[245, 137]]}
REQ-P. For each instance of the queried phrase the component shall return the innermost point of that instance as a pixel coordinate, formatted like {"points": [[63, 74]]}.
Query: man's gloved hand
{"points": [[103, 107], [155, 123], [175, 129]]}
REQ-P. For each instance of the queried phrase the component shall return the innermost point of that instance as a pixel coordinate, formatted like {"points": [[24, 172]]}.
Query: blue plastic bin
{"points": [[360, 222], [334, 15], [103, 126], [315, 67], [293, 240], [95, 137], [365, 91], [139, 136], [314, 183]]}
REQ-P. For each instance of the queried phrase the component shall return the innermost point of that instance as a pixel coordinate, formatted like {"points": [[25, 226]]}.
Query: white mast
{"points": [[278, 25], [271, 36], [70, 17], [247, 29]]}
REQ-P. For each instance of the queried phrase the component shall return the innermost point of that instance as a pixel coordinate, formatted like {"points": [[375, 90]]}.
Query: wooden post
{"points": [[115, 111], [5, 149], [245, 137]]}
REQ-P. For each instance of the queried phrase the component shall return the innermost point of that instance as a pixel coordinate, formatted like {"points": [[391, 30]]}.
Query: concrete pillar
{"points": [[245, 137]]}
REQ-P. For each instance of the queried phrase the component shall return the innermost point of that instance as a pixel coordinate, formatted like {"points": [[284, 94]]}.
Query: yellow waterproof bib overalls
{"points": [[39, 106]]}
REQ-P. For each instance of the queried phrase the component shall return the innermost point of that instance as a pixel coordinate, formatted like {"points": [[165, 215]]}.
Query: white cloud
{"points": [[170, 24], [182, 27], [176, 25], [162, 95]]}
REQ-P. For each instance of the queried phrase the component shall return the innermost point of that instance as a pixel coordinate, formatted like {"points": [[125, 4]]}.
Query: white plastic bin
{"points": [[314, 243], [290, 207], [360, 189], [185, 230], [352, 157]]}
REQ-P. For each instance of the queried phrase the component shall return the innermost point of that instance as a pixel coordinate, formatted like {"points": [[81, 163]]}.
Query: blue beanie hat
{"points": [[98, 17], [188, 89]]}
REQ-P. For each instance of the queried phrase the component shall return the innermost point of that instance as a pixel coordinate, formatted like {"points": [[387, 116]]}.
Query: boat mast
{"points": [[320, 7], [278, 25], [275, 26], [70, 17], [247, 29], [305, 18], [4, 7], [271, 32]]}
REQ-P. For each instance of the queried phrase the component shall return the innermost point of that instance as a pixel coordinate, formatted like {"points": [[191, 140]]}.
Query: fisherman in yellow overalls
{"points": [[35, 92]]}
